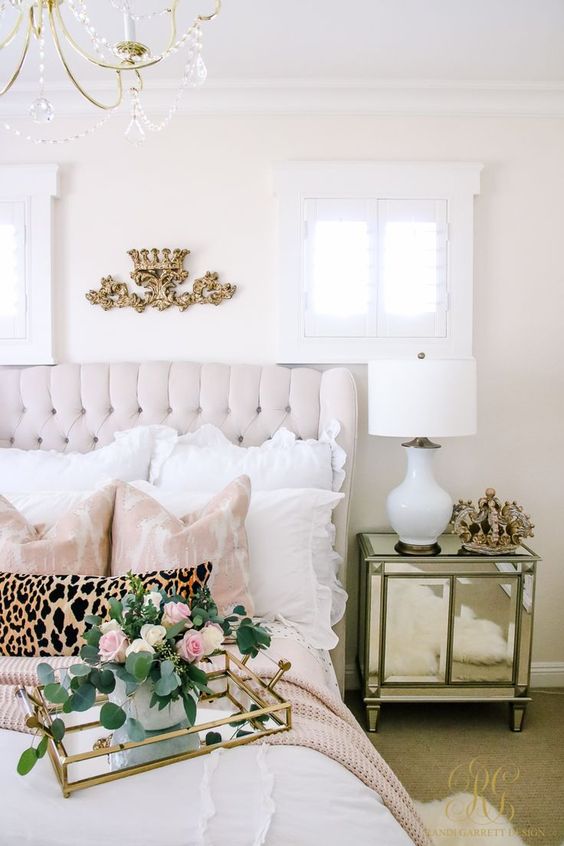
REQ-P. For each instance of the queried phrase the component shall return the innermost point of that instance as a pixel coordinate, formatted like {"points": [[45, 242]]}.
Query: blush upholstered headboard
{"points": [[78, 407]]}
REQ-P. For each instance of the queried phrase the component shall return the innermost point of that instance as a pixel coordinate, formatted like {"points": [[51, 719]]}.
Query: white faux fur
{"points": [[416, 628], [459, 821]]}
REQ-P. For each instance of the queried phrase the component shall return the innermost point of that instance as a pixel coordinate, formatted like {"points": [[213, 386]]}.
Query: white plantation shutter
{"points": [[12, 270], [375, 268]]}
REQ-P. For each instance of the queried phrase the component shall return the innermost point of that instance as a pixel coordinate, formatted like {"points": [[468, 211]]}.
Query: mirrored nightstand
{"points": [[455, 627]]}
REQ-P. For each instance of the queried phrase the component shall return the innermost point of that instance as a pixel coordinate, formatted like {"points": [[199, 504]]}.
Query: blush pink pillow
{"points": [[79, 542], [145, 536]]}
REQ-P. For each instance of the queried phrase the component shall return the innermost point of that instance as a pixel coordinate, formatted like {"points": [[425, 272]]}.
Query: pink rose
{"points": [[112, 646], [175, 612], [191, 647]]}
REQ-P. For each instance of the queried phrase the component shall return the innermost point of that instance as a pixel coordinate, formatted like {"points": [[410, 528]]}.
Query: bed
{"points": [[292, 793]]}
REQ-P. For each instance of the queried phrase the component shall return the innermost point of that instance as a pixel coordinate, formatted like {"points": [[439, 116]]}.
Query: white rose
{"points": [[110, 626], [138, 645], [212, 637], [153, 598], [153, 634]]}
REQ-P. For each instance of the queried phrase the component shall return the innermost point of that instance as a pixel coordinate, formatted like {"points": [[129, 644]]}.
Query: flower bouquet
{"points": [[147, 659]]}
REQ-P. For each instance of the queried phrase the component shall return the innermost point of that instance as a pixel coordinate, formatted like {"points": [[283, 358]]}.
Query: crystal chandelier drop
{"points": [[66, 28]]}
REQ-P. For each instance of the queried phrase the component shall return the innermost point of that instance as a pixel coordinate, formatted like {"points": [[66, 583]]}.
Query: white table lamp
{"points": [[421, 398]]}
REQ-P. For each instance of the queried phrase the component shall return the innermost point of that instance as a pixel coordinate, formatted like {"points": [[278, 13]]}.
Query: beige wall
{"points": [[206, 184]]}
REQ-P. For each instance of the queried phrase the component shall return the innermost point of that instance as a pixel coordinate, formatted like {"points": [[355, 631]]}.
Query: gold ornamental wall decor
{"points": [[160, 272]]}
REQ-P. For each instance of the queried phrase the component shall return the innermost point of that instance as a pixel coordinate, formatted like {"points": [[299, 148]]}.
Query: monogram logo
{"points": [[486, 786]]}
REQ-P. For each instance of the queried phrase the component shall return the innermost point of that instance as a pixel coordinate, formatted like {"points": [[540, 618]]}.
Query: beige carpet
{"points": [[431, 747]]}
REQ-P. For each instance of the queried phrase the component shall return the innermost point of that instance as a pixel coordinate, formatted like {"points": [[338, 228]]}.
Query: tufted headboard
{"points": [[78, 407]]}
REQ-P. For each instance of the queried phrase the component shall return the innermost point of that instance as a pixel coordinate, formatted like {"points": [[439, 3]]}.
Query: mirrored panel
{"points": [[526, 626], [416, 629], [484, 629], [373, 632]]}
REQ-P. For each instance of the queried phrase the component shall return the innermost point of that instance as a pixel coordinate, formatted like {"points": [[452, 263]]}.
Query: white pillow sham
{"points": [[127, 458], [206, 461], [289, 540]]}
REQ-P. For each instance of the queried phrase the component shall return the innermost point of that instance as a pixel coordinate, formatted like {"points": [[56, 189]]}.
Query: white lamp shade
{"points": [[422, 397]]}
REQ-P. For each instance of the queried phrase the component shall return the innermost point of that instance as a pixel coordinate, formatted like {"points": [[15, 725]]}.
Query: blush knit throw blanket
{"points": [[319, 721]]}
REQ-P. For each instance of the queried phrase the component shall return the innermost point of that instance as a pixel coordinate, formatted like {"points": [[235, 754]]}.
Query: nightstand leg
{"points": [[517, 715], [372, 714]]}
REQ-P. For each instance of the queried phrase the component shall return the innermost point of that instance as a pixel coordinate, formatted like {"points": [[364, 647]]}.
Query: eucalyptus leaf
{"points": [[167, 668], [212, 737], [112, 716], [80, 670], [89, 654], [139, 664], [92, 619], [55, 693], [42, 746], [103, 680], [167, 685], [175, 630], [45, 674], [28, 760], [239, 610], [242, 733], [190, 708], [57, 730], [83, 698]]}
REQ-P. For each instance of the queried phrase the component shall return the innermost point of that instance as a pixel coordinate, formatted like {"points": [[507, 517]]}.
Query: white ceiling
{"points": [[364, 40], [511, 40]]}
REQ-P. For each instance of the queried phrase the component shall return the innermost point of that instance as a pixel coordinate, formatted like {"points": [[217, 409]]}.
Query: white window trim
{"points": [[458, 183], [36, 186]]}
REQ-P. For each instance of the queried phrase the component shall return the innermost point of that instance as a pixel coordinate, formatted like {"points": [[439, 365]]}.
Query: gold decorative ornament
{"points": [[160, 272], [491, 528]]}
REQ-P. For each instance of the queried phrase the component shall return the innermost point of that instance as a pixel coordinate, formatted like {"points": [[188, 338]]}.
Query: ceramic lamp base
{"points": [[419, 510]]}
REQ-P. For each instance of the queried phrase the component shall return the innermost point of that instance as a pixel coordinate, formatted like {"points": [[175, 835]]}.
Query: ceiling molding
{"points": [[321, 97]]}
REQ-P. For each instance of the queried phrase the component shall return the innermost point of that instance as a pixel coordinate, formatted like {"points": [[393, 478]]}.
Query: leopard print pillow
{"points": [[44, 615]]}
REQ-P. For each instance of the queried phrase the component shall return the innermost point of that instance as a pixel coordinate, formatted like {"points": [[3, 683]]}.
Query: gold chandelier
{"points": [[68, 25]]}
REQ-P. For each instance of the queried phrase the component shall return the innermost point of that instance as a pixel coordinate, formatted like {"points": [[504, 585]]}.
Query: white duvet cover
{"points": [[250, 796]]}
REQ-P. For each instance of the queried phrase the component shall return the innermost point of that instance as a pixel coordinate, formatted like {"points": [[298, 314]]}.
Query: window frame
{"points": [[36, 186], [457, 183]]}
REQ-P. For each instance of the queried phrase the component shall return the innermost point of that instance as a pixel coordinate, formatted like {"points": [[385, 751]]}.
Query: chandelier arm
{"points": [[213, 15], [92, 59], [13, 32], [19, 66], [75, 82]]}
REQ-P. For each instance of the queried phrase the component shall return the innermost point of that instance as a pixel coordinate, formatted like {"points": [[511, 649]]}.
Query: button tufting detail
{"points": [[12, 440], [24, 409], [139, 410], [228, 411], [199, 410], [39, 440], [169, 410], [66, 440], [288, 409], [83, 411], [53, 411], [110, 410], [95, 439], [259, 409], [240, 439]]}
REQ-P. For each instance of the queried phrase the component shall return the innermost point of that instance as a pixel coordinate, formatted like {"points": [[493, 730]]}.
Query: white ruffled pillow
{"points": [[127, 458], [205, 460]]}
